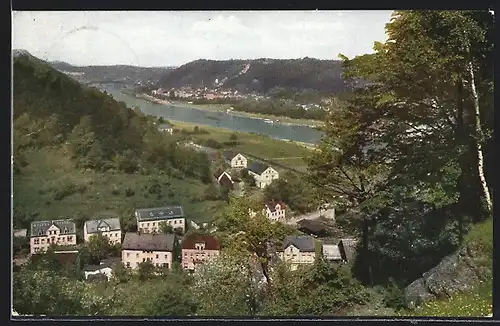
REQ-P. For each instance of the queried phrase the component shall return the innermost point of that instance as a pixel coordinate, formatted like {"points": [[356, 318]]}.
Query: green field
{"points": [[287, 153], [224, 107], [50, 187]]}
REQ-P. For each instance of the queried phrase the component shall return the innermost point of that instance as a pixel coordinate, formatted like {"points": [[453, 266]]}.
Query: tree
{"points": [[166, 228], [98, 247], [146, 270], [233, 137], [240, 232], [237, 292], [415, 101]]}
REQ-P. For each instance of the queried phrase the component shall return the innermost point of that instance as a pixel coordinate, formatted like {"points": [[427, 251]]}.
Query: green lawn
{"points": [[290, 154], [50, 171]]}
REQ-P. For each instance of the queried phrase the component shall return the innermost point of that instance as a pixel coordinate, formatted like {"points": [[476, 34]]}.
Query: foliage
{"points": [[98, 247], [293, 190]]}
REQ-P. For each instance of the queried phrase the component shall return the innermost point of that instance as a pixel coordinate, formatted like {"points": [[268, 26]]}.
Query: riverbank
{"points": [[288, 153], [226, 108]]}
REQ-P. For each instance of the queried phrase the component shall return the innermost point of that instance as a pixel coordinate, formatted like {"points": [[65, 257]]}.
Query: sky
{"points": [[173, 38]]}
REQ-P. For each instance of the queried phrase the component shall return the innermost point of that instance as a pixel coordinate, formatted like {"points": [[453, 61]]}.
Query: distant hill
{"points": [[120, 73], [260, 75]]}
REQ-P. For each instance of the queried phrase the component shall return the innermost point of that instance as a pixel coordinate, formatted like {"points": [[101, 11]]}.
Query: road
{"points": [[330, 213]]}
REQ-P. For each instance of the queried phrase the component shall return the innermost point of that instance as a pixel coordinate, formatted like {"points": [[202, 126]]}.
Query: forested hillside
{"points": [[120, 73], [59, 123], [261, 75]]}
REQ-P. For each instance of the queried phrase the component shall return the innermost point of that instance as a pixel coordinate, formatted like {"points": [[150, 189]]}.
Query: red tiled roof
{"points": [[189, 241]]}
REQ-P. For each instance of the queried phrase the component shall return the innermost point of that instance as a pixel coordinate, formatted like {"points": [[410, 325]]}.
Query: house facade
{"points": [[262, 173], [275, 211], [166, 127], [332, 253], [298, 250], [223, 178], [149, 220], [156, 248], [109, 227], [197, 249], [57, 232], [235, 160]]}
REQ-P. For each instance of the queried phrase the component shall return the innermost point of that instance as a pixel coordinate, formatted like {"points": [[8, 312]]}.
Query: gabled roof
{"points": [[148, 241], [332, 252], [160, 213], [272, 205], [107, 263], [311, 225], [347, 248], [304, 243], [39, 228], [257, 167], [189, 241], [165, 126], [228, 155], [112, 223]]}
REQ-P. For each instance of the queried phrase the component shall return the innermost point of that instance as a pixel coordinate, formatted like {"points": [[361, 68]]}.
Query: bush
{"points": [[394, 296], [68, 190], [129, 192]]}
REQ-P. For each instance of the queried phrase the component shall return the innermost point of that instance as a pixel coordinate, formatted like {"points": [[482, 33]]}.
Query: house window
{"points": [[128, 264], [185, 254], [166, 256], [143, 260], [157, 256], [128, 254], [166, 265], [70, 238], [37, 241], [175, 221], [154, 224], [137, 255], [147, 224]]}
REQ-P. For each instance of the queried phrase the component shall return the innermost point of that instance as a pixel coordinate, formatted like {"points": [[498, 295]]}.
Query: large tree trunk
{"points": [[479, 139]]}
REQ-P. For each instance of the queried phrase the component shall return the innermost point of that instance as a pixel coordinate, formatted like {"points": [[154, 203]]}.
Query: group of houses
{"points": [[150, 244], [262, 173]]}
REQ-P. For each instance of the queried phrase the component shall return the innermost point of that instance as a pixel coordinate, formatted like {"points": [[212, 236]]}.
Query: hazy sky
{"points": [[174, 38]]}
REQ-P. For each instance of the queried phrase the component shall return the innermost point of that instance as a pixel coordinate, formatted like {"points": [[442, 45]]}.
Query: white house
{"points": [[104, 268], [235, 160], [108, 227], [275, 211], [262, 173]]}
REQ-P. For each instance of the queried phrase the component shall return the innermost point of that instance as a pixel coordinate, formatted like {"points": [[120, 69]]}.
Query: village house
{"points": [[311, 227], [108, 227], [223, 178], [331, 252], [347, 249], [298, 250], [275, 211], [197, 249], [105, 268], [57, 232], [150, 219], [156, 248], [166, 127], [262, 173], [235, 160]]}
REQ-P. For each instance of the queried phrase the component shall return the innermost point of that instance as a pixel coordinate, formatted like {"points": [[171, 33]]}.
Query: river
{"points": [[224, 120]]}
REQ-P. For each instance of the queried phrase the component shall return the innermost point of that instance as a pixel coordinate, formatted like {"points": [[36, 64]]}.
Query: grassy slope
{"points": [[287, 153], [49, 170], [477, 302]]}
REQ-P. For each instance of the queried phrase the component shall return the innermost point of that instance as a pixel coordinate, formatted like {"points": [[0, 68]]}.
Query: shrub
{"points": [[394, 296], [129, 192], [68, 190]]}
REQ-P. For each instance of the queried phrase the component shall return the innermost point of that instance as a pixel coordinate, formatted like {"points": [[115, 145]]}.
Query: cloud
{"points": [[174, 38]]}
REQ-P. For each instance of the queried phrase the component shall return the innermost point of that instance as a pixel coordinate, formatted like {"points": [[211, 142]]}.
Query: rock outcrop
{"points": [[455, 273]]}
